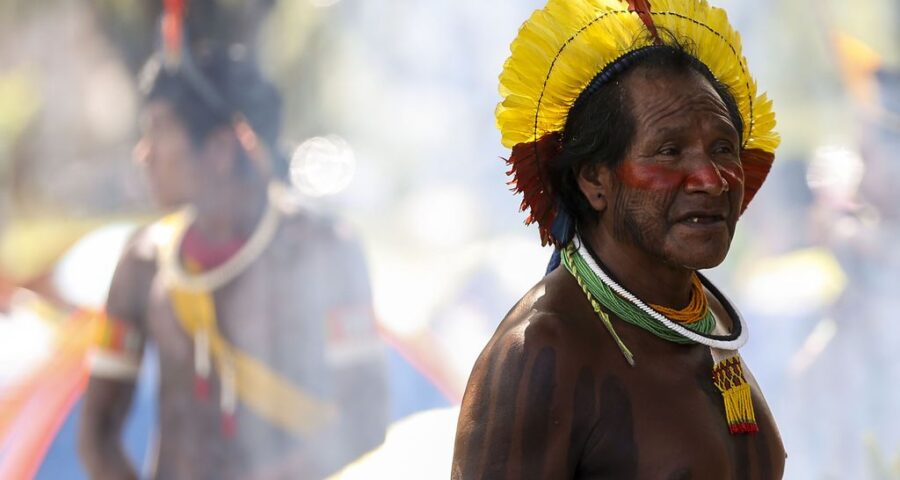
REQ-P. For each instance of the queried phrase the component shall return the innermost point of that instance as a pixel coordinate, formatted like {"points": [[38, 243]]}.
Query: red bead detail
{"points": [[737, 428], [201, 388], [229, 425]]}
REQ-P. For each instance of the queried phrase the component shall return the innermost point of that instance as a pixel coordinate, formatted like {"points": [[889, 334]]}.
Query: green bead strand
{"points": [[624, 309]]}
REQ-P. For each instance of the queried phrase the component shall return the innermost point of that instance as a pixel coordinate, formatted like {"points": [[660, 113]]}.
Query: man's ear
{"points": [[594, 182], [220, 151]]}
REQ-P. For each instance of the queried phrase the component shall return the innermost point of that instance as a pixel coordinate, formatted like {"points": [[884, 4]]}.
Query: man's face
{"points": [[166, 153], [676, 195]]}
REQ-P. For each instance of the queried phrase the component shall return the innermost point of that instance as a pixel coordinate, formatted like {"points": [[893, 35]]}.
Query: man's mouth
{"points": [[702, 219]]}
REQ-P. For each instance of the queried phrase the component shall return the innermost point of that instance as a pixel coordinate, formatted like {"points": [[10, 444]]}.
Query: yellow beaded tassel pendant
{"points": [[728, 376]]}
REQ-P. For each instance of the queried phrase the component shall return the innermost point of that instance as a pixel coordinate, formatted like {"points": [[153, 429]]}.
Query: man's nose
{"points": [[705, 176]]}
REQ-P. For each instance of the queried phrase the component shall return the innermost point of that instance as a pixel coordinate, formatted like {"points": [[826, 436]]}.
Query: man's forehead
{"points": [[660, 93], [649, 85]]}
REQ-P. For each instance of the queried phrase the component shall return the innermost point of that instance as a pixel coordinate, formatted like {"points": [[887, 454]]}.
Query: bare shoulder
{"points": [[322, 246], [134, 274], [306, 227], [143, 245], [517, 411], [554, 316], [554, 312], [138, 261]]}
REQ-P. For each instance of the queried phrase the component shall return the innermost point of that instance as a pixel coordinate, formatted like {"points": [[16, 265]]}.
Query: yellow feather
{"points": [[563, 46]]}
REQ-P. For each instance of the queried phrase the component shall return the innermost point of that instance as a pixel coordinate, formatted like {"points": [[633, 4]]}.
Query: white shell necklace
{"points": [[721, 342], [175, 276]]}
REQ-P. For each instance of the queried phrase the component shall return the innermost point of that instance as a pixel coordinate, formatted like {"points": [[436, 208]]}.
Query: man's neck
{"points": [[648, 277], [230, 211]]}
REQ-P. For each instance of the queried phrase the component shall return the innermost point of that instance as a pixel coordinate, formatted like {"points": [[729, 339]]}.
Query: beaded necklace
{"points": [[626, 310], [697, 308], [727, 375], [733, 341], [174, 273]]}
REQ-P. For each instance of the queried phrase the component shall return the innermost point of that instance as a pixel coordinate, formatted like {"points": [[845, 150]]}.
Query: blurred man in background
{"points": [[269, 361]]}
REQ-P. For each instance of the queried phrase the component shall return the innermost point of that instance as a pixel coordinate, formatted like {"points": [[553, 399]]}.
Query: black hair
{"points": [[600, 126], [207, 92]]}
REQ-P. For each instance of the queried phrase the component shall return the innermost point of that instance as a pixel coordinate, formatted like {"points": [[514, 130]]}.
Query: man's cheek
{"points": [[649, 177]]}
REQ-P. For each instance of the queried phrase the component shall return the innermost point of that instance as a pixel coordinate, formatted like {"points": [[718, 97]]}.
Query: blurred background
{"points": [[389, 124]]}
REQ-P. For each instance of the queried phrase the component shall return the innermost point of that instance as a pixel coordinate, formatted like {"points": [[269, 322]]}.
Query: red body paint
{"points": [[662, 177], [205, 253], [649, 177]]}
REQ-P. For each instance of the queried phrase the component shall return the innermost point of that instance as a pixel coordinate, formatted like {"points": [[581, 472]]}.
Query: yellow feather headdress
{"points": [[563, 46]]}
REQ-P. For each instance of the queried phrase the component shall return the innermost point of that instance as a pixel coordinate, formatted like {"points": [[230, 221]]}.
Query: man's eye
{"points": [[723, 148], [668, 151]]}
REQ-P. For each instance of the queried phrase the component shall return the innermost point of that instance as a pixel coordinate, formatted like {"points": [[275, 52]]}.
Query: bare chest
{"points": [[267, 312], [668, 422], [271, 314]]}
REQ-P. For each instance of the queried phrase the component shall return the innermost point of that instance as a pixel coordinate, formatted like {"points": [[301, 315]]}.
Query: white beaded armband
{"points": [[113, 365]]}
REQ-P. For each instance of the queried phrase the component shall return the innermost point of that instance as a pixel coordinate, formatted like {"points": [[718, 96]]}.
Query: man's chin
{"points": [[702, 265], [701, 257]]}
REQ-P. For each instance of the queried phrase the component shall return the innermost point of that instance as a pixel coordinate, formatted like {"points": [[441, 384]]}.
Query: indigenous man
{"points": [[637, 140], [269, 365]]}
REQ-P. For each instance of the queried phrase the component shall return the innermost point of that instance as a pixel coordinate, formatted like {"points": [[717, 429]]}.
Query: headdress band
{"points": [[555, 61]]}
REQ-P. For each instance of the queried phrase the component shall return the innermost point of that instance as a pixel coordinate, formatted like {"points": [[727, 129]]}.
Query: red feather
{"points": [[173, 28], [642, 8], [757, 164], [528, 167]]}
